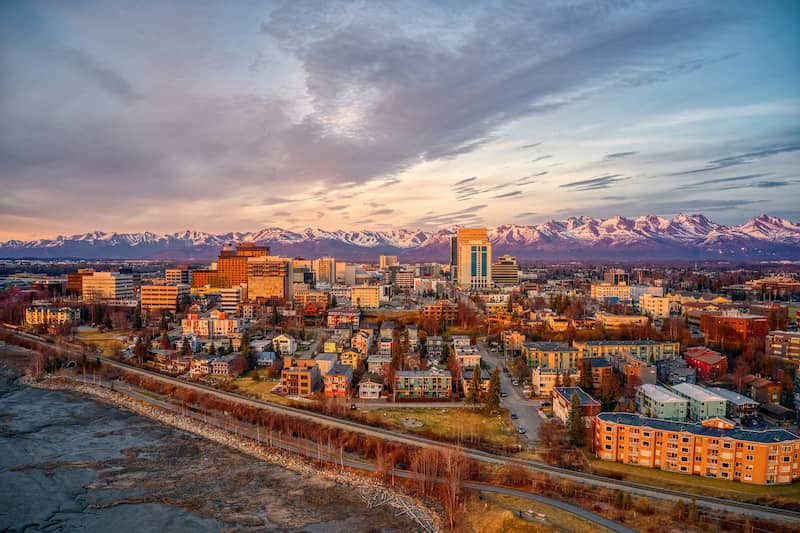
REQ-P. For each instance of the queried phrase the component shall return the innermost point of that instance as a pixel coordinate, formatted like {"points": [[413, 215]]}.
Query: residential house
{"points": [[337, 381], [710, 365], [370, 387], [285, 344], [562, 404]]}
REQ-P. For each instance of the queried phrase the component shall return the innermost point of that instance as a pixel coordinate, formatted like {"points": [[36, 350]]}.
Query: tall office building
{"points": [[107, 286], [232, 264], [386, 261], [454, 258], [474, 264], [505, 271], [324, 270], [178, 275], [269, 277]]}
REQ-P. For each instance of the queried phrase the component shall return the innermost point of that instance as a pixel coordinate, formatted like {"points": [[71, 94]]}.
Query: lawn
{"points": [[778, 495], [256, 384], [466, 425], [497, 512], [106, 341]]}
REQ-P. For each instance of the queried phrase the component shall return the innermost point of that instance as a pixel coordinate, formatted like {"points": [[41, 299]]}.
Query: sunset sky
{"points": [[222, 116]]}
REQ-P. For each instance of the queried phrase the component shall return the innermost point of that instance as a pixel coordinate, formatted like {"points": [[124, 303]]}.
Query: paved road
{"points": [[516, 402], [718, 504]]}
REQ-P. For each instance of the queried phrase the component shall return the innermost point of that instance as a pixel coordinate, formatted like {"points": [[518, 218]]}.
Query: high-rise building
{"points": [[505, 271], [324, 270], [474, 258], [386, 261], [616, 276], [75, 280], [107, 286], [178, 275], [454, 258], [164, 297], [232, 264], [269, 277]]}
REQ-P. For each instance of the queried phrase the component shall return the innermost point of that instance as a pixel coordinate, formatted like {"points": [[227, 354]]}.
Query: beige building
{"points": [[655, 306], [324, 270], [544, 379], [606, 291], [107, 286], [556, 355], [612, 321], [366, 296], [645, 350], [505, 271], [164, 297], [387, 261], [269, 277], [474, 254]]}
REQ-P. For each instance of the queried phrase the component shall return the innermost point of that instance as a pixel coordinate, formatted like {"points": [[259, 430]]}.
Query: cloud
{"points": [[772, 184], [508, 194], [617, 198], [105, 78], [705, 183], [620, 155], [540, 158], [337, 208], [281, 213], [384, 211], [464, 181], [602, 182], [741, 159], [532, 145]]}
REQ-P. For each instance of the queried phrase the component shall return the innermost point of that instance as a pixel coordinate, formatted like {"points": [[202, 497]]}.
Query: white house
{"points": [[285, 344]]}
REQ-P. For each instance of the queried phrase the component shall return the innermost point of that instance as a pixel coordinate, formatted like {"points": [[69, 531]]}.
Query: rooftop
{"points": [[765, 436], [596, 362], [583, 396], [647, 342], [545, 346], [695, 392], [732, 397], [660, 394]]}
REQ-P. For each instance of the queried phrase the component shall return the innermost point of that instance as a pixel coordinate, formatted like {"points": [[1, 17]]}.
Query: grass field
{"points": [[784, 495], [497, 512], [105, 341], [256, 384], [452, 422]]}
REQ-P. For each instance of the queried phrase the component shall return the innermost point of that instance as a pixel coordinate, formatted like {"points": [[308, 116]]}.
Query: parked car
{"points": [[522, 430], [515, 382], [353, 407], [514, 416]]}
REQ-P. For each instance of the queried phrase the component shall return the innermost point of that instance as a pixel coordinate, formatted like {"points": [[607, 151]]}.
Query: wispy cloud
{"points": [[602, 182], [717, 181], [508, 194], [532, 145], [740, 159], [620, 155]]}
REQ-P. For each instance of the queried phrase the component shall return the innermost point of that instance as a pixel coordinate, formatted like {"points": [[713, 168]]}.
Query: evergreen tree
{"points": [[166, 344], [212, 350], [473, 396], [164, 323], [575, 423], [185, 348], [493, 397], [137, 317]]}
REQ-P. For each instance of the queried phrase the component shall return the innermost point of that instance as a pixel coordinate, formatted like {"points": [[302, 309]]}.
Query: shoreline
{"points": [[400, 502]]}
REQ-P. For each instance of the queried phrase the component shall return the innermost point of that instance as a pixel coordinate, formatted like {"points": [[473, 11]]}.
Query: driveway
{"points": [[515, 402]]}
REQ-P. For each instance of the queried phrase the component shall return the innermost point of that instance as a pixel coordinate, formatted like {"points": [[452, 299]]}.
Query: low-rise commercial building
{"points": [[164, 297], [45, 315]]}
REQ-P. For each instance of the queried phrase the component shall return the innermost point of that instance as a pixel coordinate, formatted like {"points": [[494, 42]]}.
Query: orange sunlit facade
{"points": [[715, 448]]}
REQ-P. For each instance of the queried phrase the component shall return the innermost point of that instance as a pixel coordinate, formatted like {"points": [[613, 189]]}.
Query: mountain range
{"points": [[654, 238]]}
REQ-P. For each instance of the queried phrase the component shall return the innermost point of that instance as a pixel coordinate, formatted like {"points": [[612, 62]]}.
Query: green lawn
{"points": [[782, 495], [256, 384], [452, 422]]}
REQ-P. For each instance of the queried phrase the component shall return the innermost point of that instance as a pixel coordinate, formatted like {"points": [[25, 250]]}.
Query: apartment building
{"points": [[300, 381], [387, 261], [654, 401], [434, 384], [467, 356], [338, 381], [443, 310], [45, 315], [714, 448], [709, 364], [164, 297], [362, 340], [611, 321], [609, 291], [178, 276], [737, 405], [733, 326], [370, 387], [216, 324], [107, 286], [784, 344], [562, 404], [599, 368], [646, 350], [558, 355], [324, 270], [379, 364], [544, 379], [655, 306], [344, 315], [703, 404]]}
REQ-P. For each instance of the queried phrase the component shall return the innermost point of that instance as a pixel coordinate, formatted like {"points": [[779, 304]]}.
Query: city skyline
{"points": [[416, 116]]}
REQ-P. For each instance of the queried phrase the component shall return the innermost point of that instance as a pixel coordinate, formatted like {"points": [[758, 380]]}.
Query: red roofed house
{"points": [[710, 364]]}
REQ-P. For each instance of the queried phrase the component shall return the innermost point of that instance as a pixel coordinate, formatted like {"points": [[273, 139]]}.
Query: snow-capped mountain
{"points": [[641, 238]]}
